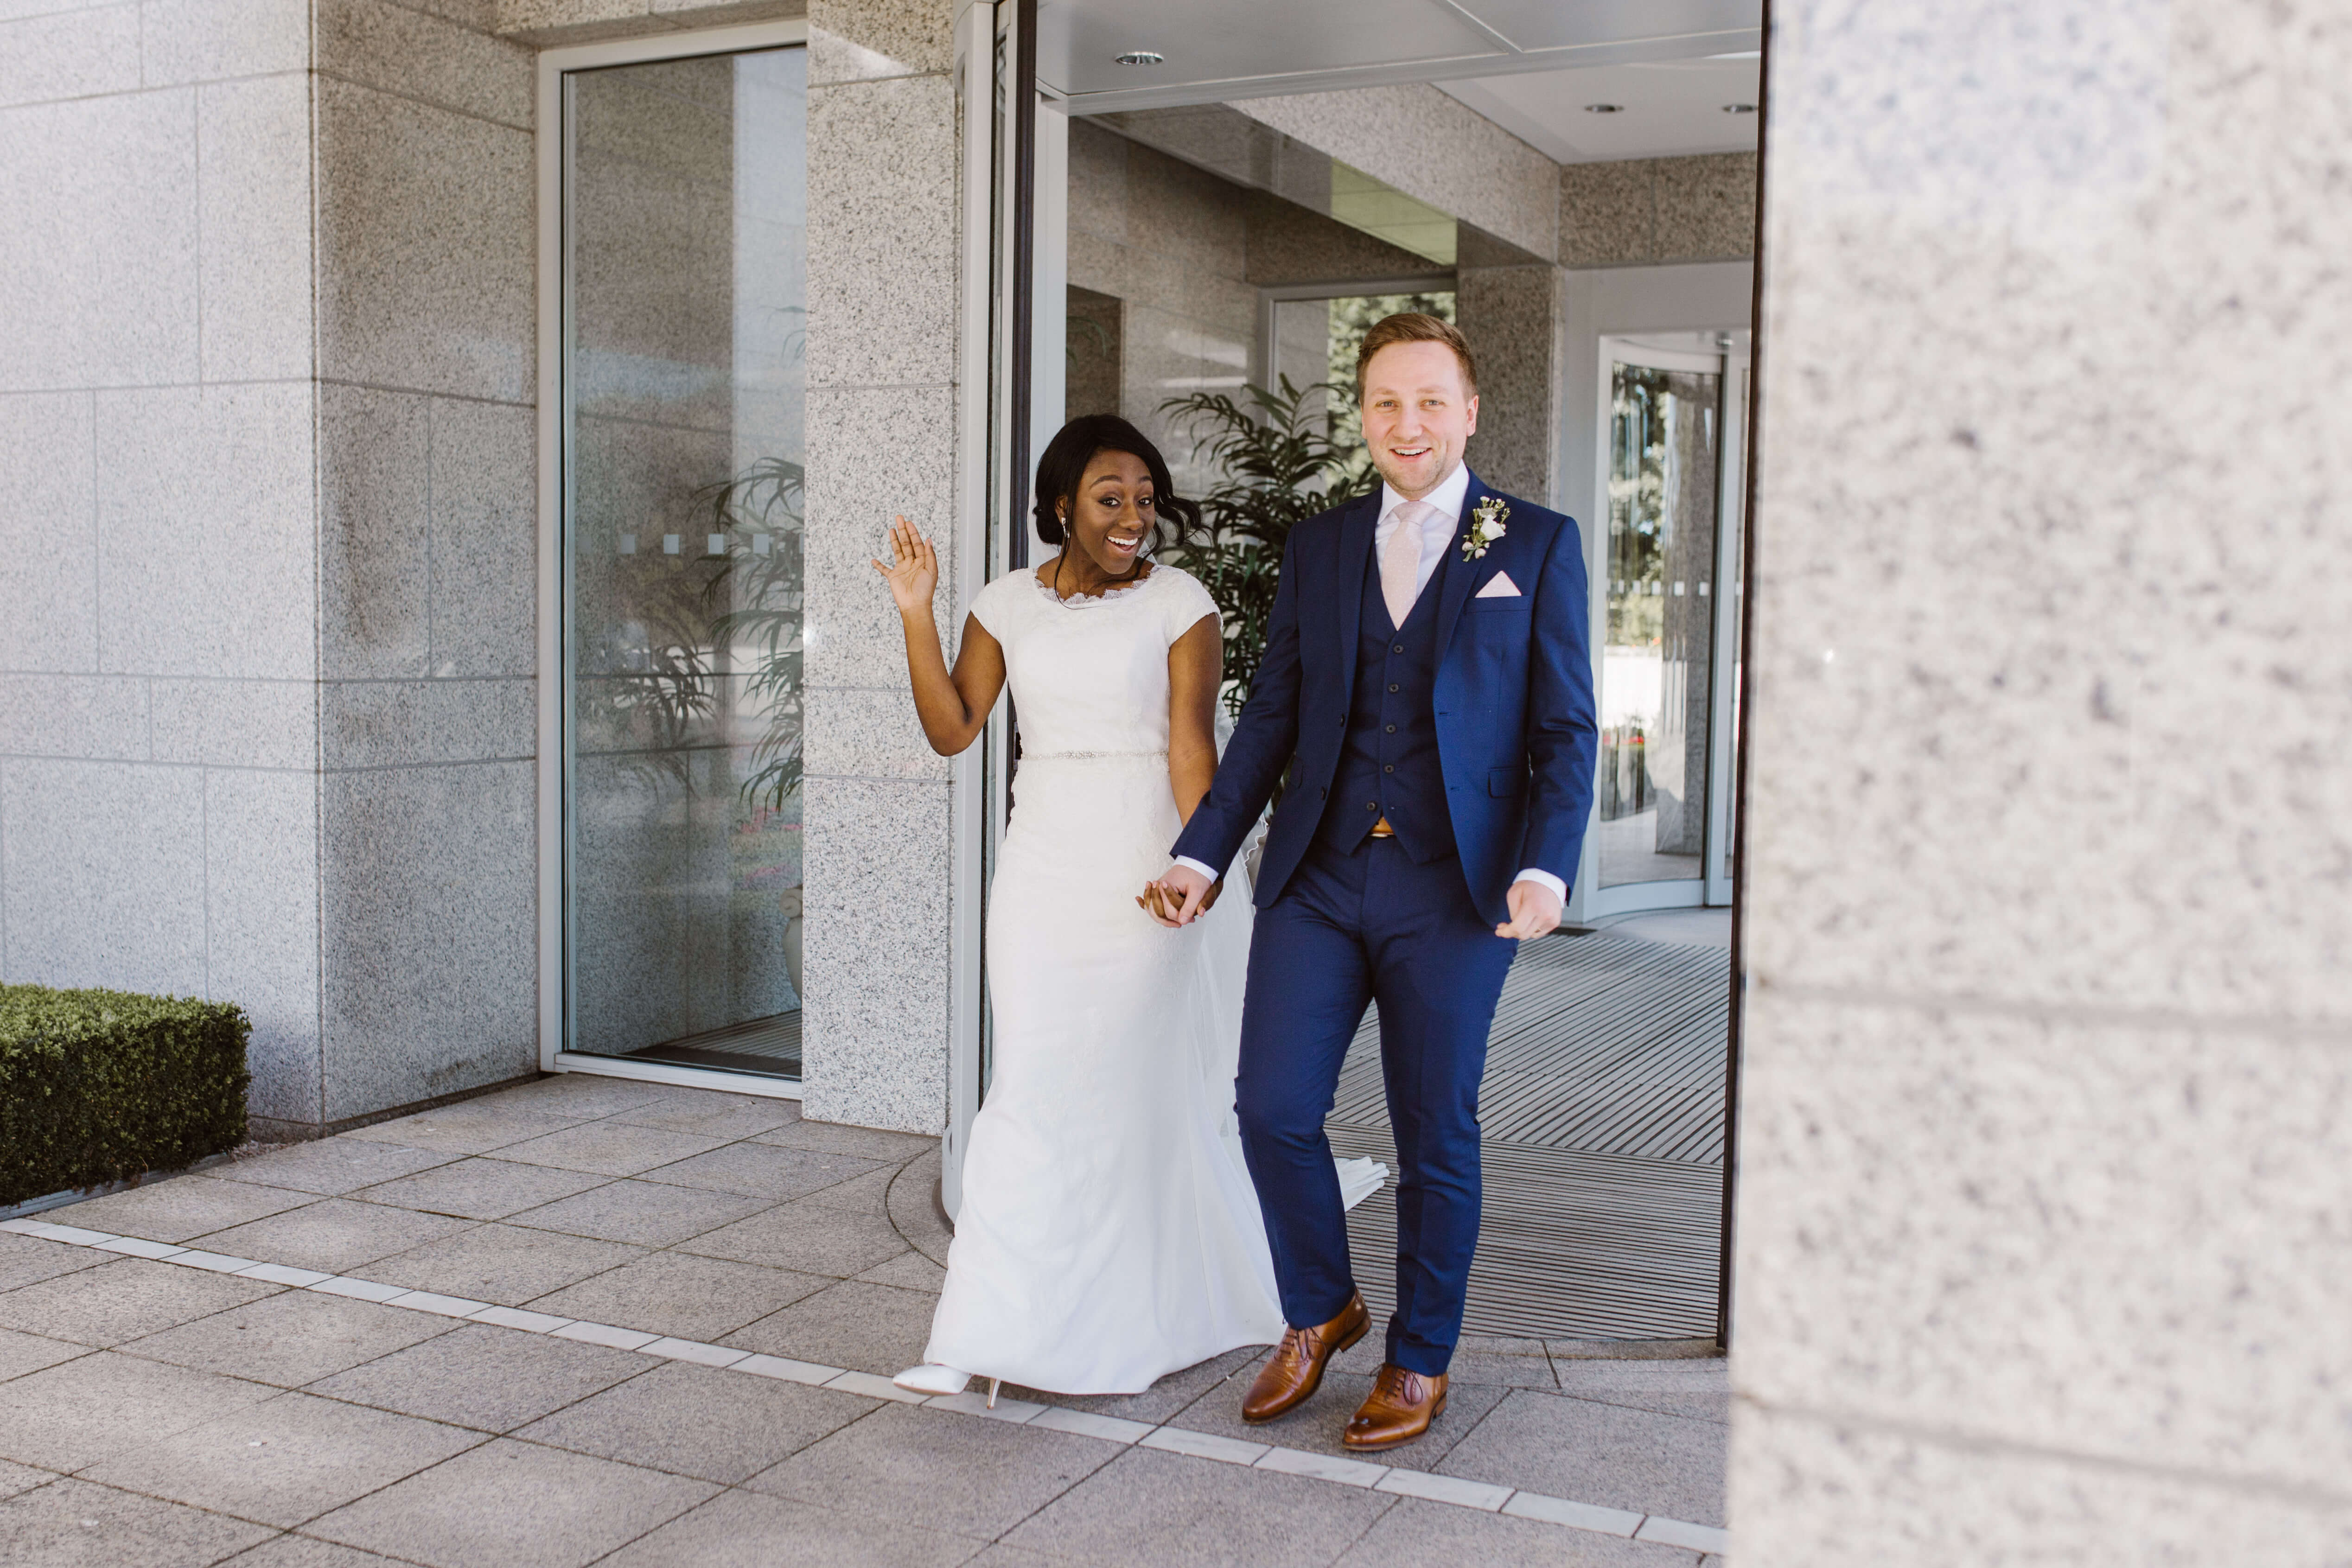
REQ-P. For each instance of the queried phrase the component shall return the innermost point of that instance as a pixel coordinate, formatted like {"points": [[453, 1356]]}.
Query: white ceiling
{"points": [[1667, 109], [1225, 49]]}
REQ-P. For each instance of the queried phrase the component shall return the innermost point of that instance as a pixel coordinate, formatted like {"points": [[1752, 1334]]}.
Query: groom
{"points": [[1427, 690]]}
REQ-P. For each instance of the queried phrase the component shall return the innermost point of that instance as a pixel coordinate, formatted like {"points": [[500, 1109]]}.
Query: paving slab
{"points": [[699, 1421], [1699, 1389], [503, 1263], [514, 1505], [1420, 1534], [476, 1375], [16, 1478], [329, 1166], [837, 1138], [74, 1524], [746, 1530], [1154, 1509], [1479, 1358], [712, 1114], [336, 1234], [643, 1213], [284, 1460], [79, 1412], [28, 1259], [182, 1208], [303, 1552], [290, 1339], [807, 1236], [908, 1271], [859, 1327], [936, 1470], [612, 1148], [480, 1187], [1640, 1460], [764, 1171], [681, 1294], [21, 1353], [579, 1096], [1316, 1427], [473, 1126], [914, 1208], [869, 1193], [123, 1299], [1210, 1380]]}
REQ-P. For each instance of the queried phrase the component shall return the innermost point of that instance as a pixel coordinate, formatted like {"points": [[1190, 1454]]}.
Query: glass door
{"points": [[683, 192], [1661, 799]]}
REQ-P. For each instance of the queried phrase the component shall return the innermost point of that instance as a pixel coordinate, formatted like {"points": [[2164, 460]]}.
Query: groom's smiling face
{"points": [[1419, 414]]}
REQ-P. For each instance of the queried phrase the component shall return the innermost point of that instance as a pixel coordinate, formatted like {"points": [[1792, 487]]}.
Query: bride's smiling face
{"points": [[1113, 513]]}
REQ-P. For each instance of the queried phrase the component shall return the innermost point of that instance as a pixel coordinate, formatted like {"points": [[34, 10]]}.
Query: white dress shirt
{"points": [[1448, 497]]}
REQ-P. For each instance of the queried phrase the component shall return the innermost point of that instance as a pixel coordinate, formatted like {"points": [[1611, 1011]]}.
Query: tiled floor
{"points": [[154, 1412]]}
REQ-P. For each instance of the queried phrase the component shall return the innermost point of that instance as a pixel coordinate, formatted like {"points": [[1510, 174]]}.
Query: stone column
{"points": [[883, 311], [2041, 1238], [1510, 314]]}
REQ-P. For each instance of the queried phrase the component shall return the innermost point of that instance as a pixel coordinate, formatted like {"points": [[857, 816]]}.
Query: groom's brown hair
{"points": [[1412, 327]]}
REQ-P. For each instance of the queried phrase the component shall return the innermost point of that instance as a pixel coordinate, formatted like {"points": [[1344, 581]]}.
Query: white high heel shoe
{"points": [[932, 1378]]}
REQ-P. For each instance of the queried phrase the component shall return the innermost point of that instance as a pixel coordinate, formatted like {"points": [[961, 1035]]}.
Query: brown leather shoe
{"points": [[1399, 1409], [1294, 1374]]}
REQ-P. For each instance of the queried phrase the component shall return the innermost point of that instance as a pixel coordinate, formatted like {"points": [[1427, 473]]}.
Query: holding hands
{"points": [[915, 576], [1179, 897]]}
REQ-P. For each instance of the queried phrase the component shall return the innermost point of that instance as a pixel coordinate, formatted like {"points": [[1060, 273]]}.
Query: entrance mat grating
{"points": [[1603, 1118]]}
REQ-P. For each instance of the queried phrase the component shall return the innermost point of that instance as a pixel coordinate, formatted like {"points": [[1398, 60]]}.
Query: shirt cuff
{"points": [[1194, 865], [1544, 880]]}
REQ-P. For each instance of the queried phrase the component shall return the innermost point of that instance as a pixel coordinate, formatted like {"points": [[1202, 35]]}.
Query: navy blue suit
{"points": [[1470, 729]]}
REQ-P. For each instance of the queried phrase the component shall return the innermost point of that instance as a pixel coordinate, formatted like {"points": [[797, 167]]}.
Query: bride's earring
{"points": [[993, 1384]]}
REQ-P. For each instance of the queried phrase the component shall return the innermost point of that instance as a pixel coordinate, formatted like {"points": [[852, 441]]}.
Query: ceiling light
{"points": [[1142, 58], [1605, 109], [1739, 108]]}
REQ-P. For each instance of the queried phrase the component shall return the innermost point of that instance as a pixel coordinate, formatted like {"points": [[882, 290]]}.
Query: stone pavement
{"points": [[594, 1320]]}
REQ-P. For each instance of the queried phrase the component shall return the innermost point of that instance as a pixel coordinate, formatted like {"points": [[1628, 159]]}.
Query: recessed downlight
{"points": [[1739, 108], [1142, 58], [1605, 109]]}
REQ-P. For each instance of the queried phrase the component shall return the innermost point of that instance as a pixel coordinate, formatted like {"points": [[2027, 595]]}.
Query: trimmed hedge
{"points": [[102, 1086]]}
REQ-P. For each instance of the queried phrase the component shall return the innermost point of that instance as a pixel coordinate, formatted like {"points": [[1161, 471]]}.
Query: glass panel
{"points": [[1656, 655], [685, 281]]}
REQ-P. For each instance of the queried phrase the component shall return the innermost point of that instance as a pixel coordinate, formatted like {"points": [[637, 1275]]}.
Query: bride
{"points": [[1109, 1233]]}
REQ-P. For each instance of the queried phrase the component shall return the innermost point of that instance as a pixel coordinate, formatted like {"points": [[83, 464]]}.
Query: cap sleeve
{"points": [[992, 607], [1186, 603]]}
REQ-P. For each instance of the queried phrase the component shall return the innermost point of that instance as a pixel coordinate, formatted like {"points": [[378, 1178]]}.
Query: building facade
{"points": [[359, 356]]}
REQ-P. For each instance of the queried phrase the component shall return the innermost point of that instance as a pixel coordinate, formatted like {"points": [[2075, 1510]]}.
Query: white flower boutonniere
{"points": [[1486, 526]]}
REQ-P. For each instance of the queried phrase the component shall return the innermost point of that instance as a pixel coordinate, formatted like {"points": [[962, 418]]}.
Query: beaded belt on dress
{"points": [[1082, 756]]}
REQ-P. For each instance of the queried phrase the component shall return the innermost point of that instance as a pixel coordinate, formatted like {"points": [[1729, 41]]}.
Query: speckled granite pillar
{"points": [[2048, 1105], [883, 291], [1510, 315]]}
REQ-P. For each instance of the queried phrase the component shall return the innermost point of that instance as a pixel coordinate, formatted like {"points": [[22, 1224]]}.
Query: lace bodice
{"points": [[1090, 676]]}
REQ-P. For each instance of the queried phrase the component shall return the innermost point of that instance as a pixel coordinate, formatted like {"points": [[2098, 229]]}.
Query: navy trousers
{"points": [[1351, 926]]}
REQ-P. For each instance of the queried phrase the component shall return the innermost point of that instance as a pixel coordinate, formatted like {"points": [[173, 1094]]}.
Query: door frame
{"points": [[1712, 886], [554, 405]]}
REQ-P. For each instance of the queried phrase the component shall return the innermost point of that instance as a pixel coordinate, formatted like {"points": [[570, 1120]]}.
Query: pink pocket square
{"points": [[1498, 586]]}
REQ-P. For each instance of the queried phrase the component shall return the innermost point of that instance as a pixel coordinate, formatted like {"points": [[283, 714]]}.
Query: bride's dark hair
{"points": [[1064, 467]]}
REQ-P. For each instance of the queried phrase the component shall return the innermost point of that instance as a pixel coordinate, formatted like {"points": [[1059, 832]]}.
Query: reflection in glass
{"points": [[1656, 654], [685, 282]]}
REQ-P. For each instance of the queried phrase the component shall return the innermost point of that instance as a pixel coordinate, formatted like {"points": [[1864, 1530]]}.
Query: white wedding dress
{"points": [[1109, 1233]]}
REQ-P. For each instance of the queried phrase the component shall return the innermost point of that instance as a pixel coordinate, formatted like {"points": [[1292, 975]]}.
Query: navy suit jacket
{"points": [[1516, 732]]}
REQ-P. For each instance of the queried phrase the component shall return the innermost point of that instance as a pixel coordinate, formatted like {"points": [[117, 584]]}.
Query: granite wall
{"points": [[883, 270], [1645, 212], [2048, 1102], [159, 705], [427, 584]]}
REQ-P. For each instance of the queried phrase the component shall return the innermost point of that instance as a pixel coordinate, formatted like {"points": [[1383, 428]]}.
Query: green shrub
{"points": [[102, 1086]]}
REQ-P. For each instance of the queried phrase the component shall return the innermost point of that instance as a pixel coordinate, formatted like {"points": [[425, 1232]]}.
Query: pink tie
{"points": [[1401, 560]]}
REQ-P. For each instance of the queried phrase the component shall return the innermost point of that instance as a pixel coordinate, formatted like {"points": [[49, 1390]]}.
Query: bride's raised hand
{"points": [[915, 576]]}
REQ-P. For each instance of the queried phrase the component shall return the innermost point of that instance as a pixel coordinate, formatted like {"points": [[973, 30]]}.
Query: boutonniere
{"points": [[1486, 526]]}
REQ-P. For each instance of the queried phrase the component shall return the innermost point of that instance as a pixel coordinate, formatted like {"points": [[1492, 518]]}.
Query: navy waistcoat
{"points": [[1389, 766]]}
